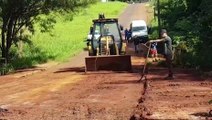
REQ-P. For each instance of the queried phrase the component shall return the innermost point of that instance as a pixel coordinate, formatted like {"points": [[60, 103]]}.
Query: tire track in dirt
{"points": [[185, 97]]}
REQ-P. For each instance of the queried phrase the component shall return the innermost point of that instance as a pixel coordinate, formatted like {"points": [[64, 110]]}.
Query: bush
{"points": [[189, 23]]}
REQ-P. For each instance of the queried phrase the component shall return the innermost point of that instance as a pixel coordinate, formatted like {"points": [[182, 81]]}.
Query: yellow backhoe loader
{"points": [[106, 48]]}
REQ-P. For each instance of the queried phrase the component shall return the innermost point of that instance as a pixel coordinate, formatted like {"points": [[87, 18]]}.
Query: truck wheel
{"points": [[90, 54], [116, 49], [124, 49], [90, 51]]}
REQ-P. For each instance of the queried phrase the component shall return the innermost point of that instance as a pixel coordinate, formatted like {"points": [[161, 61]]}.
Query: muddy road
{"points": [[64, 92]]}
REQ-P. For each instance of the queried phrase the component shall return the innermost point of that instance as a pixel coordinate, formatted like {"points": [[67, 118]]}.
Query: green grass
{"points": [[67, 38]]}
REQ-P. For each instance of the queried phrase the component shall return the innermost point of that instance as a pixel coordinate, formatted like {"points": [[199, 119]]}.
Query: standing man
{"points": [[167, 51], [129, 35], [126, 34]]}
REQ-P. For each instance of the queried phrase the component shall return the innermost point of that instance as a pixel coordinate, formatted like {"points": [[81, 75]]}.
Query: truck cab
{"points": [[104, 27], [139, 30]]}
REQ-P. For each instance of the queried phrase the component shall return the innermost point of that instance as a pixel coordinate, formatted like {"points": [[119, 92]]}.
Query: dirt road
{"points": [[65, 92], [134, 12]]}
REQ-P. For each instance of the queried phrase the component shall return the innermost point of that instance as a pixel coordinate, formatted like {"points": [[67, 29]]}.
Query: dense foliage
{"points": [[189, 23], [17, 18], [129, 0]]}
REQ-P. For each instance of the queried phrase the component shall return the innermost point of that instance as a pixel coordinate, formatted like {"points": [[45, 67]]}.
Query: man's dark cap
{"points": [[163, 31]]}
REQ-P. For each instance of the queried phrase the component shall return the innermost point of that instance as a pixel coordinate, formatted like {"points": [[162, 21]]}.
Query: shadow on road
{"points": [[82, 70], [202, 114], [124, 82], [74, 69], [159, 73]]}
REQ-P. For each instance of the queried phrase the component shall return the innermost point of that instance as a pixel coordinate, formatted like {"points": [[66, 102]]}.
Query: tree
{"points": [[19, 15], [189, 23]]}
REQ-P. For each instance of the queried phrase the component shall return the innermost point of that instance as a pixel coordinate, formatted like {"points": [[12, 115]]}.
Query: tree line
{"points": [[189, 24], [18, 17]]}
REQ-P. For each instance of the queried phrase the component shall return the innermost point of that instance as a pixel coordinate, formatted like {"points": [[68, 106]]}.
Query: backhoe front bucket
{"points": [[112, 63]]}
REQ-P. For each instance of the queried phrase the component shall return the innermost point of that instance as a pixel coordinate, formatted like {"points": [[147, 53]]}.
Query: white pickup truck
{"points": [[139, 30]]}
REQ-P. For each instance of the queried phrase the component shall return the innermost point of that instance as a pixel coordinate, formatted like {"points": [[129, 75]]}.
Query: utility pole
{"points": [[159, 18], [160, 45]]}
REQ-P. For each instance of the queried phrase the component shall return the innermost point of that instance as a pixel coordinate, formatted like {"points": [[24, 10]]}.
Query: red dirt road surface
{"points": [[65, 92]]}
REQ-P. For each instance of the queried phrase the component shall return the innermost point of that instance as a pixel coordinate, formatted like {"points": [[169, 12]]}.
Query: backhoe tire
{"points": [[90, 51]]}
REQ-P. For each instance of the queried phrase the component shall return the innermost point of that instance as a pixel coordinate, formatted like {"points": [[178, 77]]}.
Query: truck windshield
{"points": [[108, 28], [111, 29], [138, 28]]}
